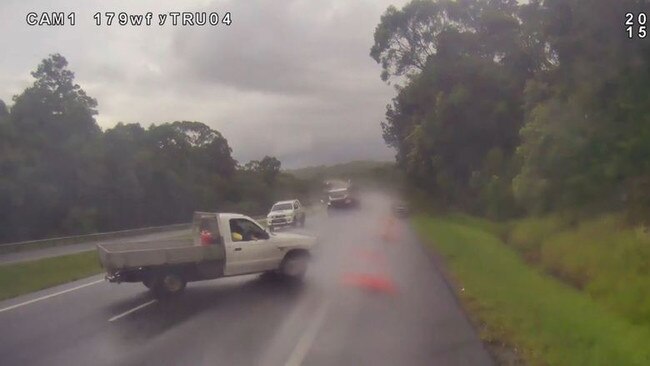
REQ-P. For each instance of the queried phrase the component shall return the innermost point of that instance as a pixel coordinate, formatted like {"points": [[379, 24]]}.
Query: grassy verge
{"points": [[21, 278], [549, 322], [604, 256]]}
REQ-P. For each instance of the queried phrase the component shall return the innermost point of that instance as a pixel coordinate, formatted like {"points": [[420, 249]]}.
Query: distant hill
{"points": [[352, 170]]}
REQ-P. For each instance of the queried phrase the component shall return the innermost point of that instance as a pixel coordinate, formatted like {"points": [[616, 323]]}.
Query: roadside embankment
{"points": [[604, 257], [547, 321], [22, 278]]}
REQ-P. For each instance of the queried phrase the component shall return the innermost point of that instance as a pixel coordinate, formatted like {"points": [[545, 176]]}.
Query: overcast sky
{"points": [[287, 78]]}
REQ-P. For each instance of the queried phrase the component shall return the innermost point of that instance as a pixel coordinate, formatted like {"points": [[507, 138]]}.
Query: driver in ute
{"points": [[241, 232], [236, 231]]}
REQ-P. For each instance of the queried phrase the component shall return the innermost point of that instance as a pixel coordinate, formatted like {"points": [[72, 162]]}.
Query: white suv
{"points": [[286, 213]]}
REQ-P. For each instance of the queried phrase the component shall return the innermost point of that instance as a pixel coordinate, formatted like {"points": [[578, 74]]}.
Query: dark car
{"points": [[340, 194], [400, 209], [342, 198]]}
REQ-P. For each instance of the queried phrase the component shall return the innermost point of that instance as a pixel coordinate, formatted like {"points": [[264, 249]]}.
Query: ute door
{"points": [[249, 248]]}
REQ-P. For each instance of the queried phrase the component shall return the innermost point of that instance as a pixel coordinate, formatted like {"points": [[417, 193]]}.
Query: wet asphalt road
{"points": [[410, 317]]}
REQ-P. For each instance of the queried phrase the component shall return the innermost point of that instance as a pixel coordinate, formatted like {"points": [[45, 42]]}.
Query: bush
{"points": [[526, 235], [605, 257], [609, 260]]}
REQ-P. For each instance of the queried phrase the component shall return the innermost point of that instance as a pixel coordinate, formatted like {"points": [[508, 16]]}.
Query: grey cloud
{"points": [[276, 48], [290, 78], [314, 56]]}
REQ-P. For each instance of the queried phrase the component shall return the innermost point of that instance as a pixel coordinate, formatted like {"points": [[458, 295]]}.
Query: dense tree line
{"points": [[506, 108], [63, 175]]}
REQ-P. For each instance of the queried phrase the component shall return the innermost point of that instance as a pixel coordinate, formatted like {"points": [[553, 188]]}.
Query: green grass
{"points": [[550, 322], [495, 228], [21, 278]]}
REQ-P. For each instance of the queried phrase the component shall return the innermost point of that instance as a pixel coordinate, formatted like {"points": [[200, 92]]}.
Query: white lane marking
{"points": [[304, 343], [50, 295], [132, 310]]}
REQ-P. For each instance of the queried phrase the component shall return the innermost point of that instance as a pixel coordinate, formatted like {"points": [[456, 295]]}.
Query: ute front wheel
{"points": [[294, 266]]}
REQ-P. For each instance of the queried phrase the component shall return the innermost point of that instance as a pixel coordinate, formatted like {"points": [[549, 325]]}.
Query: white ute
{"points": [[222, 244], [285, 213]]}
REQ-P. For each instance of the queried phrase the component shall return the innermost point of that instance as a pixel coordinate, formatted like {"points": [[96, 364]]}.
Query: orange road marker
{"points": [[370, 282], [372, 256]]}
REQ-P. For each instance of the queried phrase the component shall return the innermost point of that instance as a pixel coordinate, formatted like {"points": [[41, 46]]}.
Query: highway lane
{"points": [[256, 320]]}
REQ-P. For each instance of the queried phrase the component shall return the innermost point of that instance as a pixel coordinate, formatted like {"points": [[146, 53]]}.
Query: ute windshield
{"points": [[281, 207]]}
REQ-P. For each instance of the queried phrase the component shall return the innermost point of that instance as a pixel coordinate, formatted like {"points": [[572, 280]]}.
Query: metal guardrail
{"points": [[69, 240]]}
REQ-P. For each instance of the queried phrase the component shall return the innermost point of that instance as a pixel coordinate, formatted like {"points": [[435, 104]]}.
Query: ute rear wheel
{"points": [[168, 284], [148, 283]]}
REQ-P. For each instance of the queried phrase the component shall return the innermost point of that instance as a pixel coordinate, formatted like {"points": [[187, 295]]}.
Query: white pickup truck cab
{"points": [[286, 213], [222, 244]]}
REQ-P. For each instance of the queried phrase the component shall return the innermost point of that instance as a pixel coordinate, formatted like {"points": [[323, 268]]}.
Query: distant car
{"points": [[400, 209], [286, 213]]}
